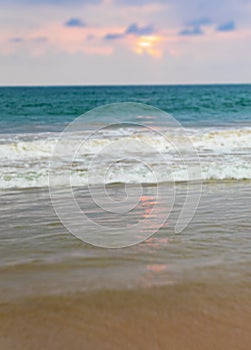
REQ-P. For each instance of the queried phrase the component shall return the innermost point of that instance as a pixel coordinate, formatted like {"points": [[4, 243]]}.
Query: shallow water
{"points": [[37, 251]]}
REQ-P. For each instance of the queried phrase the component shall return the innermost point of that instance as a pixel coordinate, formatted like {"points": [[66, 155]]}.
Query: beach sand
{"points": [[191, 316]]}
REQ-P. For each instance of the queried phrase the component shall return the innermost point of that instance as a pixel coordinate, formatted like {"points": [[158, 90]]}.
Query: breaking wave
{"points": [[224, 154]]}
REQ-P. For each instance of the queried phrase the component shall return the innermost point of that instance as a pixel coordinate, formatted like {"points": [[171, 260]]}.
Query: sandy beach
{"points": [[191, 316]]}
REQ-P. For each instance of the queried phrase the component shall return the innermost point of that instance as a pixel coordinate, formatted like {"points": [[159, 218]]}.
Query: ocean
{"points": [[162, 174]]}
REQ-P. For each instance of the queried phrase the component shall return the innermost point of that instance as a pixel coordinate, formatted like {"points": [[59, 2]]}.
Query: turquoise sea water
{"points": [[35, 109], [217, 119]]}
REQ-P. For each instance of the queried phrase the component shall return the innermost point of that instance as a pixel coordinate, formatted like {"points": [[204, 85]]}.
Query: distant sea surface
{"points": [[191, 289]]}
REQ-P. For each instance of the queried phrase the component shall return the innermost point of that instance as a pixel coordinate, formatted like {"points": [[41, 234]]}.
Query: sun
{"points": [[149, 45]]}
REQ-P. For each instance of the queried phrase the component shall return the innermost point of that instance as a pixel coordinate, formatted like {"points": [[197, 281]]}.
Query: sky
{"points": [[99, 42]]}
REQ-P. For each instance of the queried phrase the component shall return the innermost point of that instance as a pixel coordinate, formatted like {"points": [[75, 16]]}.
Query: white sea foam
{"points": [[148, 156]]}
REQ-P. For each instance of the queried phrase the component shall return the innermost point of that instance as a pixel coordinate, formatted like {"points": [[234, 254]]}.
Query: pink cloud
{"points": [[90, 40], [58, 38]]}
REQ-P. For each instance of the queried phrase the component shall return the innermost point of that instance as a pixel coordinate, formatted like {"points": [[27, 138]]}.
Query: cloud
{"points": [[226, 27], [54, 39], [38, 39], [195, 26], [200, 22], [75, 22], [192, 31], [16, 40], [114, 36], [132, 29], [30, 41], [139, 31]]}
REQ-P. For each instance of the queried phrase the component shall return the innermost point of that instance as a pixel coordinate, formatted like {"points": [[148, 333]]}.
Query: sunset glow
{"points": [[124, 41], [149, 45]]}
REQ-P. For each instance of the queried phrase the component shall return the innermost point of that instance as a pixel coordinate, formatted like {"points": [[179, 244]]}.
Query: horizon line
{"points": [[124, 85]]}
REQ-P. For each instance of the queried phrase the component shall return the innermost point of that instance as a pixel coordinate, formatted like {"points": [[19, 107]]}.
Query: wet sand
{"points": [[187, 316]]}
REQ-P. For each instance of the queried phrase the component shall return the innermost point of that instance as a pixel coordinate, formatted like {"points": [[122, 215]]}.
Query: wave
{"points": [[126, 155]]}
